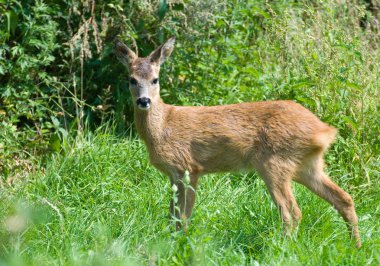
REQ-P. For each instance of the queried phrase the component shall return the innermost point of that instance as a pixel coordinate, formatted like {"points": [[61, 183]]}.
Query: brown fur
{"points": [[282, 140]]}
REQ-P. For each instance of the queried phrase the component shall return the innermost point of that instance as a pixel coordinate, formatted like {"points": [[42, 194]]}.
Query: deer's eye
{"points": [[155, 81], [133, 81]]}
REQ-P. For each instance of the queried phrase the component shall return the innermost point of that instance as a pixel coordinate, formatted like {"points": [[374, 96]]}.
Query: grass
{"points": [[101, 203]]}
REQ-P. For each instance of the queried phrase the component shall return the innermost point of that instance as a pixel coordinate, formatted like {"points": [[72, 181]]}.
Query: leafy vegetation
{"points": [[101, 203], [79, 195]]}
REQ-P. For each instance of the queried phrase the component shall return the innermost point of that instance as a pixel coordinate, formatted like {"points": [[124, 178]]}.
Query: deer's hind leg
{"points": [[277, 175], [312, 175]]}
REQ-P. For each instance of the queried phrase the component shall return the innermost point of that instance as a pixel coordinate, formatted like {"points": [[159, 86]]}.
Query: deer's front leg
{"points": [[183, 198]]}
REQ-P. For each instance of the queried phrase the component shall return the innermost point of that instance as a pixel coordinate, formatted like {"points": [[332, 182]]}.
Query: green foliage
{"points": [[59, 80], [101, 203], [26, 55], [56, 62]]}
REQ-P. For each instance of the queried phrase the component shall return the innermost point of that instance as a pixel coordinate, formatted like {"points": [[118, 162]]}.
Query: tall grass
{"points": [[100, 203]]}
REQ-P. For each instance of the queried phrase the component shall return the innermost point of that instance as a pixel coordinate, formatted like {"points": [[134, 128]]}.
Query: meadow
{"points": [[103, 204], [76, 186]]}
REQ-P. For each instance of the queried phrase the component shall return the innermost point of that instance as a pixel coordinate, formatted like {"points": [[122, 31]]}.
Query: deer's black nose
{"points": [[143, 102]]}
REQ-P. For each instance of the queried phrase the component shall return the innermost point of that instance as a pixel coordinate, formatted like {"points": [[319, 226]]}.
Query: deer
{"points": [[281, 140]]}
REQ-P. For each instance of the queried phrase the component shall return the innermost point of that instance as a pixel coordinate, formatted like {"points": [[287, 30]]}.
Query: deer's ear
{"points": [[123, 53], [163, 51]]}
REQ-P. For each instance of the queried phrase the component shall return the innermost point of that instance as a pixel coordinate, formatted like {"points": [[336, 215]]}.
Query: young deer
{"points": [[281, 140]]}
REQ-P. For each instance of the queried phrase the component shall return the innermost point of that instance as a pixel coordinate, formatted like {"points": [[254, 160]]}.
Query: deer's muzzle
{"points": [[143, 103]]}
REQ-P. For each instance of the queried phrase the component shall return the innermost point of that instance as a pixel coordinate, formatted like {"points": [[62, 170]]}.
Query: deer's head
{"points": [[144, 72]]}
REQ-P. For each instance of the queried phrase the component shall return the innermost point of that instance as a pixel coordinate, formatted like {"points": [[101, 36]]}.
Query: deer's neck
{"points": [[150, 123]]}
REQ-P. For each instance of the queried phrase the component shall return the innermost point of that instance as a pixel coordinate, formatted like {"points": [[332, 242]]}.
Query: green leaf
{"points": [[162, 9], [63, 132], [12, 20], [302, 84], [351, 122], [354, 86], [307, 101], [55, 121], [54, 143], [178, 6]]}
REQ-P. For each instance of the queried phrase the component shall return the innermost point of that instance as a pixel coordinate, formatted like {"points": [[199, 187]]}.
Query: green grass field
{"points": [[101, 203]]}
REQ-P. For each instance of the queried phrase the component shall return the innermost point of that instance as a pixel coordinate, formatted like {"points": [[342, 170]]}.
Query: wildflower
{"points": [[186, 177]]}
